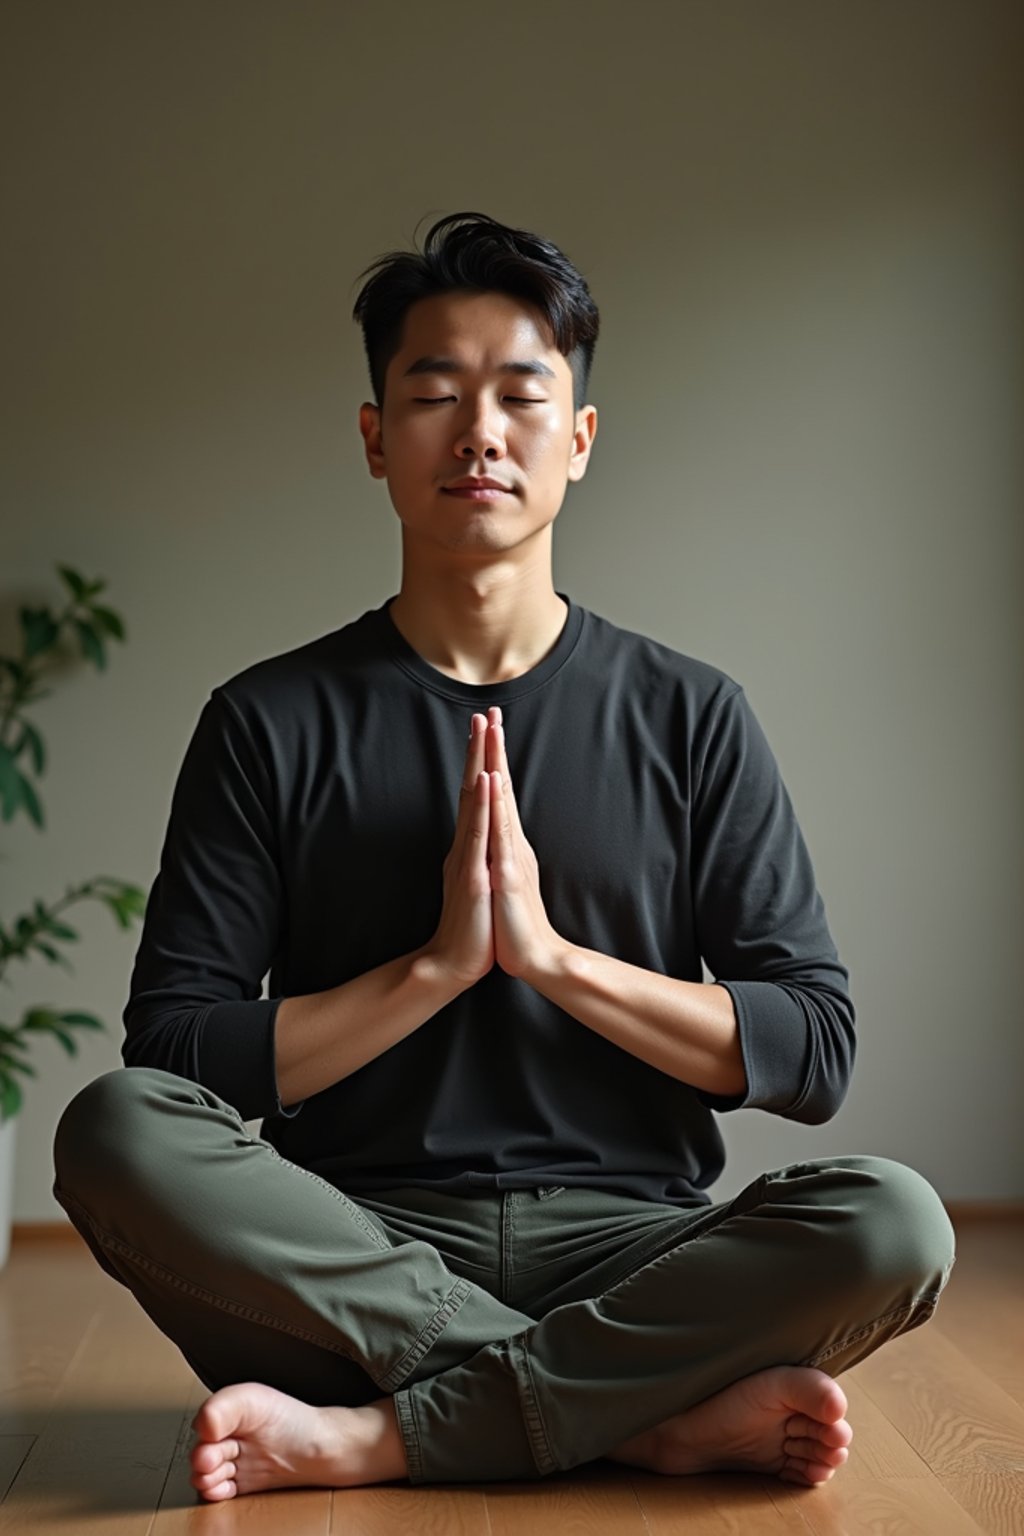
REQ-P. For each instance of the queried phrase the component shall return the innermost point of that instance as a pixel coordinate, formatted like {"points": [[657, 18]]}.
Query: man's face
{"points": [[454, 407]]}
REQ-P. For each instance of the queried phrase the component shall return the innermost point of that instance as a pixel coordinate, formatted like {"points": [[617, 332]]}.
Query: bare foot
{"points": [[250, 1436], [787, 1421]]}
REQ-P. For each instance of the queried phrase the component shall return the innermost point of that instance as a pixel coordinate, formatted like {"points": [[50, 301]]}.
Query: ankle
{"points": [[382, 1440]]}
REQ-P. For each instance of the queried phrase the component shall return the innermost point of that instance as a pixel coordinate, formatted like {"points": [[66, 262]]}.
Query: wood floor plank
{"points": [[47, 1301], [596, 1500], [13, 1450], [713, 1504], [996, 1500], [968, 1430], [982, 1308], [101, 1460], [393, 1510], [878, 1450], [899, 1506]]}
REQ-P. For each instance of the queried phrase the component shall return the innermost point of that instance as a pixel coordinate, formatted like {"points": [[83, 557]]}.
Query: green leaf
{"points": [[126, 901], [40, 630], [83, 1020], [93, 587], [10, 782], [31, 800], [76, 583], [35, 746], [92, 643], [67, 1040], [40, 1018], [10, 1097], [14, 1065], [53, 955], [108, 620], [60, 930]]}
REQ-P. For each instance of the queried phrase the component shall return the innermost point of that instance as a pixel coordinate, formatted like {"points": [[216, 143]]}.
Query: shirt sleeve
{"points": [[212, 925], [762, 929]]}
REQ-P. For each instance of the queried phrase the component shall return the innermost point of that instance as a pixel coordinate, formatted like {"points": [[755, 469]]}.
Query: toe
{"points": [[223, 1490], [227, 1473], [835, 1402], [812, 1451], [799, 1425], [809, 1473], [824, 1397], [208, 1457], [224, 1412]]}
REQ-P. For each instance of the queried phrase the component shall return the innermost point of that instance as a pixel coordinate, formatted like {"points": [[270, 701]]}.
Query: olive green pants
{"points": [[518, 1332]]}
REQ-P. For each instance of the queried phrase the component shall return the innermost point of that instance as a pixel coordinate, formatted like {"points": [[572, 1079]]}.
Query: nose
{"points": [[482, 435]]}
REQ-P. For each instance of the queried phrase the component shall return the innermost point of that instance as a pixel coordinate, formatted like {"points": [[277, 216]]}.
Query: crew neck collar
{"points": [[413, 664]]}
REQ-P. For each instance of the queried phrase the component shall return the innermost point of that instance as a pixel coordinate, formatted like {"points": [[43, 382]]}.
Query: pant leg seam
{"points": [[409, 1429], [355, 1211], [925, 1304], [533, 1420], [160, 1272], [428, 1335]]}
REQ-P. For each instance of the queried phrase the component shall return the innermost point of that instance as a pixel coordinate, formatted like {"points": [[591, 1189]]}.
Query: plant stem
{"points": [[20, 949], [24, 685]]}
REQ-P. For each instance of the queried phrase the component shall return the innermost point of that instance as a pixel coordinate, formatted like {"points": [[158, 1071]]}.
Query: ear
{"points": [[582, 441], [373, 438]]}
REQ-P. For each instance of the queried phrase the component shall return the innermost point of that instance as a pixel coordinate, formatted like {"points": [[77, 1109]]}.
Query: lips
{"points": [[481, 491], [476, 483]]}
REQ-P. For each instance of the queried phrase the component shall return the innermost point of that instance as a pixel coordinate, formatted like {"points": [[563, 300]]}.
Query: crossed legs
{"points": [[336, 1355]]}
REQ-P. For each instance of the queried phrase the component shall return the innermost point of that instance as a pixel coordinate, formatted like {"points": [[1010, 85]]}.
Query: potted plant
{"points": [[39, 932]]}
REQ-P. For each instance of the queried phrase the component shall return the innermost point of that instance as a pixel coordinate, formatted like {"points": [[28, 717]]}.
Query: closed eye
{"points": [[440, 400]]}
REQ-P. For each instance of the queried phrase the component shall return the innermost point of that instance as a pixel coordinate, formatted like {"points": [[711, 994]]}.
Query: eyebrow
{"points": [[532, 367]]}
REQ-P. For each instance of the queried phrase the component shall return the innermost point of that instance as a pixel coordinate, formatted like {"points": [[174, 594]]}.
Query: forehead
{"points": [[479, 333]]}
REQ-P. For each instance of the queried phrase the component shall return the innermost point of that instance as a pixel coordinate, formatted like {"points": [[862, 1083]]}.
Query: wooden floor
{"points": [[96, 1404]]}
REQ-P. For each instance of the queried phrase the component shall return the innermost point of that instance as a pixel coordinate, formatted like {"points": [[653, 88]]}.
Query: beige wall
{"points": [[803, 225]]}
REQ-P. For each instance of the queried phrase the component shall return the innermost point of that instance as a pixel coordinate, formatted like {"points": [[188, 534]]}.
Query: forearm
{"points": [[686, 1029], [323, 1037]]}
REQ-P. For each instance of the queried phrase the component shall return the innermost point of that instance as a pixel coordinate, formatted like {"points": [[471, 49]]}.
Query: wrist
{"points": [[552, 963], [436, 978]]}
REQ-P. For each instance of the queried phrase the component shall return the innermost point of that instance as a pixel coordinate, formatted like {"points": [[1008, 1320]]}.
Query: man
{"points": [[482, 839]]}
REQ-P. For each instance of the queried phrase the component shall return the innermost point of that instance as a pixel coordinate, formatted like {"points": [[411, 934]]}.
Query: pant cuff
{"points": [[476, 1423]]}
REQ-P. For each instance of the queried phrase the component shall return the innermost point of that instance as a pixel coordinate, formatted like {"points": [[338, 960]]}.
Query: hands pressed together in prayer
{"points": [[493, 911]]}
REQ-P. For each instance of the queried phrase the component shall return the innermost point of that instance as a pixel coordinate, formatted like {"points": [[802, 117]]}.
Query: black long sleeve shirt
{"points": [[309, 825]]}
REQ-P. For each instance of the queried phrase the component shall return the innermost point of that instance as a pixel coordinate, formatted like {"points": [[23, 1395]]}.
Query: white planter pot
{"points": [[7, 1133]]}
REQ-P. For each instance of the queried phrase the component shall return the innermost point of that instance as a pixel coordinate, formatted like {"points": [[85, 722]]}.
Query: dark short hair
{"points": [[474, 253]]}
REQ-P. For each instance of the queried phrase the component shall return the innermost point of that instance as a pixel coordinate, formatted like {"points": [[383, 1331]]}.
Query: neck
{"points": [[482, 625]]}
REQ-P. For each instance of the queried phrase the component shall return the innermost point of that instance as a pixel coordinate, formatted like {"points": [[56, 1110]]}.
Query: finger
{"points": [[475, 749], [497, 762], [473, 767], [500, 831], [490, 739], [480, 818]]}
